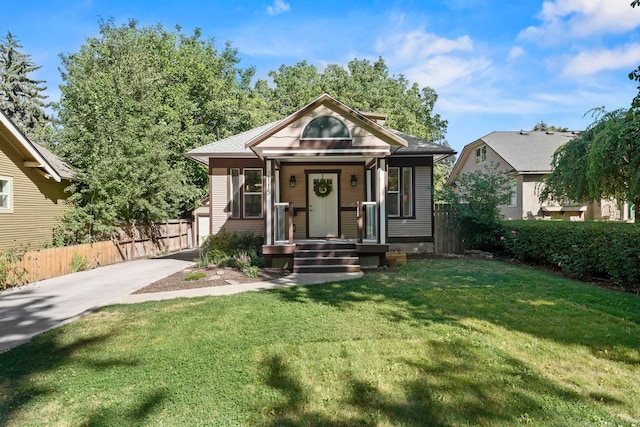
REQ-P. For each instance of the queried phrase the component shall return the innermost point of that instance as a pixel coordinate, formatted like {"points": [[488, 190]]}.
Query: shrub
{"points": [[476, 200], [251, 271], [242, 261], [10, 273], [195, 275], [232, 243], [78, 263], [580, 249]]}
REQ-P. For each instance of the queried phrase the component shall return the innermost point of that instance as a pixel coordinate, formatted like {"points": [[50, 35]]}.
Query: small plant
{"points": [[10, 273], [242, 261], [202, 261], [79, 263], [195, 275], [251, 271]]}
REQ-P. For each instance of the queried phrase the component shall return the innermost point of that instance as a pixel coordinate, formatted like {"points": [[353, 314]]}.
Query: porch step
{"points": [[326, 269], [325, 257]]}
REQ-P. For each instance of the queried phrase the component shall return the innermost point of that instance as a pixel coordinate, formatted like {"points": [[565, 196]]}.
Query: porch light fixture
{"points": [[292, 181], [354, 180]]}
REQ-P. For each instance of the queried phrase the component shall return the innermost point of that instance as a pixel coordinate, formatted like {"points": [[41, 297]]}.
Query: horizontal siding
{"points": [[220, 182], [37, 203], [421, 225], [348, 225]]}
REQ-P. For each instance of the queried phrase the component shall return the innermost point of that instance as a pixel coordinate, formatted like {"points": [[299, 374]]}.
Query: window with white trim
{"points": [[513, 192], [481, 155], [252, 194], [6, 188], [400, 192]]}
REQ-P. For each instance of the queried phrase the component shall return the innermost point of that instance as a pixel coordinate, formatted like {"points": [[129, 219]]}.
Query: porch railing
{"points": [[284, 223], [367, 217]]}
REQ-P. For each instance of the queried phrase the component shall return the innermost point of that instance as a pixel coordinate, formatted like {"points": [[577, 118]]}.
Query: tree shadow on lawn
{"points": [[22, 367], [447, 390], [540, 304]]}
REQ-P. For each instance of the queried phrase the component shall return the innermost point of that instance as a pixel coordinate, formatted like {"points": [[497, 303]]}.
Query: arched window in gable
{"points": [[326, 127]]}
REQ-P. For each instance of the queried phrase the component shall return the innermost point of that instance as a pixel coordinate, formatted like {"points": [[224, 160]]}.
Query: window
{"points": [[6, 204], [325, 127], [252, 193], [513, 192], [400, 192], [481, 154], [235, 193]]}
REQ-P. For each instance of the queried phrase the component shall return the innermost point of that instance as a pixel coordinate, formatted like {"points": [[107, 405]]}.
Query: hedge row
{"points": [[581, 249]]}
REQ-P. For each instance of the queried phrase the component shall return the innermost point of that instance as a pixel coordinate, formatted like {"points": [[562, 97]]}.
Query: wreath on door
{"points": [[322, 187]]}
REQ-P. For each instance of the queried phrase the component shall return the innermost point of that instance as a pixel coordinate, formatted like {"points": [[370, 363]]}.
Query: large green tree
{"points": [[603, 162], [362, 85], [22, 97], [134, 100]]}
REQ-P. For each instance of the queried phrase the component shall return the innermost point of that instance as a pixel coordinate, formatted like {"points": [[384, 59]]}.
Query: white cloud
{"points": [[582, 18], [278, 7], [418, 43], [515, 53], [591, 62], [442, 72]]}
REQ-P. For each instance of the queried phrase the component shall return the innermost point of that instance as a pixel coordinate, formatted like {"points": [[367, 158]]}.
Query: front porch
{"points": [[325, 255]]}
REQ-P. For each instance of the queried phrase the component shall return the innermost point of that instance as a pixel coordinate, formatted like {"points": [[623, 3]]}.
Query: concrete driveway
{"points": [[35, 308]]}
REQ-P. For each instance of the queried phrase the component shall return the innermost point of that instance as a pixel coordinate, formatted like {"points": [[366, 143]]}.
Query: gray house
{"points": [[525, 157], [326, 182]]}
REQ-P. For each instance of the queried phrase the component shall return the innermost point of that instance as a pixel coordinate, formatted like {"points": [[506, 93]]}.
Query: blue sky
{"points": [[496, 65]]}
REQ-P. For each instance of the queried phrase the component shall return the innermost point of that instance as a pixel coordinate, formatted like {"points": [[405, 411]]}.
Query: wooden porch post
{"points": [[382, 200], [291, 223], [360, 220]]}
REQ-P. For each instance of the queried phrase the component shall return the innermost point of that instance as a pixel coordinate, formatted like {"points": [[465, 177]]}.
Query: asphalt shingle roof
{"points": [[528, 151], [236, 144]]}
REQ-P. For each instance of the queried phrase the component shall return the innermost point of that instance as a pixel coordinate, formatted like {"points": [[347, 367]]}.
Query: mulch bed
{"points": [[214, 277]]}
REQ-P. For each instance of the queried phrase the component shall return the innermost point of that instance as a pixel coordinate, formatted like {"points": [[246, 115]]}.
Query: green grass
{"points": [[443, 342], [195, 275]]}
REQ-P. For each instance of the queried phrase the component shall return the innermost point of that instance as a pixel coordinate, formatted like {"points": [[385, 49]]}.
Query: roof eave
{"points": [[28, 145]]}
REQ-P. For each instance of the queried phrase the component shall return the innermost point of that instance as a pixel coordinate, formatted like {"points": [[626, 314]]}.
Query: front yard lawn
{"points": [[440, 343]]}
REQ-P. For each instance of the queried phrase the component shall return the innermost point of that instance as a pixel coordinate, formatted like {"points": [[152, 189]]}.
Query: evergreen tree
{"points": [[21, 97]]}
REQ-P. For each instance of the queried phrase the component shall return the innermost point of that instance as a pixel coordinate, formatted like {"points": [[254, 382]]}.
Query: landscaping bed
{"points": [[215, 276]]}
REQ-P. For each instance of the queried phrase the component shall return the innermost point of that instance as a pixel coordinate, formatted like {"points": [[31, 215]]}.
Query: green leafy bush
{"points": [[237, 250], [242, 261], [232, 243], [10, 273], [251, 271], [476, 200], [581, 249]]}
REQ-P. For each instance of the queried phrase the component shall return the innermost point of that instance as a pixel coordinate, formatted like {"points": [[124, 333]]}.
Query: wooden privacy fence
{"points": [[128, 244], [447, 238]]}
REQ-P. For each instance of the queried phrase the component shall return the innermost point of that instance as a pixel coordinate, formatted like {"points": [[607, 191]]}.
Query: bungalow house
{"points": [[525, 157], [329, 188], [32, 189]]}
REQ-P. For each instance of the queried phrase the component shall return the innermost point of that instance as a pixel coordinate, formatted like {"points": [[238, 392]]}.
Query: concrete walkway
{"points": [[32, 309]]}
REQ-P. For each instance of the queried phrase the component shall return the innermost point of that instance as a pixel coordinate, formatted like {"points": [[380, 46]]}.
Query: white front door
{"points": [[323, 205]]}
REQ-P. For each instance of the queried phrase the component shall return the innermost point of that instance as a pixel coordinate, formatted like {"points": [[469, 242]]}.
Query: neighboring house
{"points": [[32, 189], [326, 173], [525, 157]]}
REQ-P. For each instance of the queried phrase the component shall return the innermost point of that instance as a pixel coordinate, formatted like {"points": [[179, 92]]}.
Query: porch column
{"points": [[210, 196], [268, 180], [382, 197]]}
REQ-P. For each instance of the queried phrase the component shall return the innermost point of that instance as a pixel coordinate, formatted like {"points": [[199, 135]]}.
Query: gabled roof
{"points": [[246, 144], [418, 146], [528, 152], [34, 154]]}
